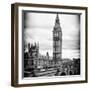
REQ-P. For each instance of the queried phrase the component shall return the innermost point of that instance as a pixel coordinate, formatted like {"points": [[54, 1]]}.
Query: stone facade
{"points": [[57, 42], [33, 59]]}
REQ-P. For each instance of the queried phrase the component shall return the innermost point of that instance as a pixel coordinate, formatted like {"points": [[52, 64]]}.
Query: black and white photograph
{"points": [[51, 44]]}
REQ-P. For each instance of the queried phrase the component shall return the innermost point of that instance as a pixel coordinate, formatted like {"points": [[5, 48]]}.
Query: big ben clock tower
{"points": [[57, 42]]}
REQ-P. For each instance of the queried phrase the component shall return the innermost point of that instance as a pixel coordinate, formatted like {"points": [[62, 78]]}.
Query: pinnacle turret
{"points": [[57, 23], [57, 19]]}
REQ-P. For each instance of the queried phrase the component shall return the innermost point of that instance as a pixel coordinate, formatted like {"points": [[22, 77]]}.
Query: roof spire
{"points": [[57, 19], [57, 23], [57, 16]]}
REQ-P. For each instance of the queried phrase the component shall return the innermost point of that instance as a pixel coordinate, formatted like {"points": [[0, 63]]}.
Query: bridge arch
{"points": [[70, 73], [63, 74]]}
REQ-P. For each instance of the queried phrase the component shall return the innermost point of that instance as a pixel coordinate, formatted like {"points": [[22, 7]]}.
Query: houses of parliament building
{"points": [[36, 64]]}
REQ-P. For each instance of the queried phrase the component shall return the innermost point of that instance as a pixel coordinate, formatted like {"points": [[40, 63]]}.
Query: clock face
{"points": [[56, 34]]}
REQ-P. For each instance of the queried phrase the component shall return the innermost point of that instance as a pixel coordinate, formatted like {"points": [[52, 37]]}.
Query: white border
{"points": [[50, 79]]}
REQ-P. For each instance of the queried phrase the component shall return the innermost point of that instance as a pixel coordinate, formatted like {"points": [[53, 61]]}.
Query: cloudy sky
{"points": [[39, 27]]}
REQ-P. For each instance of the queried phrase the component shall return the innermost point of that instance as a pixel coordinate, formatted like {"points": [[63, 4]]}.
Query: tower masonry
{"points": [[57, 42]]}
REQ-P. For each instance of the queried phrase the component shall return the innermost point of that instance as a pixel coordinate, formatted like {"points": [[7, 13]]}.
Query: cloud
{"points": [[71, 44], [39, 28], [40, 20]]}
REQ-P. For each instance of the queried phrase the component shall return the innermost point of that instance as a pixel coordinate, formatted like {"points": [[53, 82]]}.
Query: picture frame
{"points": [[48, 44]]}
